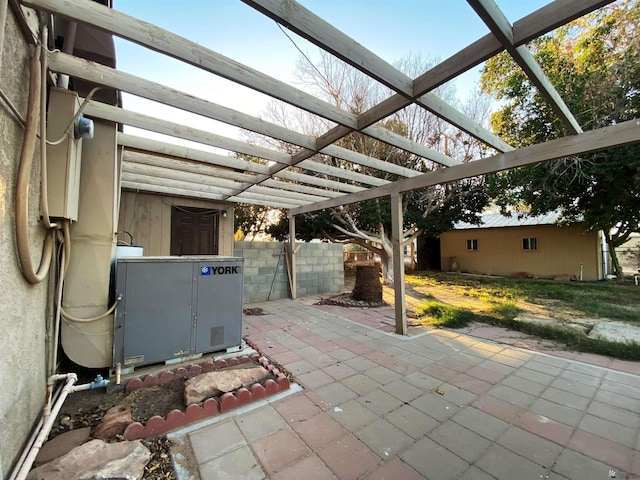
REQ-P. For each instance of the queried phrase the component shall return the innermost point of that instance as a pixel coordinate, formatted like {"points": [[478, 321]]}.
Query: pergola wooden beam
{"points": [[168, 43], [499, 25], [321, 33], [593, 140]]}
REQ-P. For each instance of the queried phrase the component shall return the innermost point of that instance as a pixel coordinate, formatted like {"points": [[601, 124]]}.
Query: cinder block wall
{"points": [[320, 269]]}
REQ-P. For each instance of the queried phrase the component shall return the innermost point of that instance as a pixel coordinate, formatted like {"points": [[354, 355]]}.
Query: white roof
{"points": [[495, 220]]}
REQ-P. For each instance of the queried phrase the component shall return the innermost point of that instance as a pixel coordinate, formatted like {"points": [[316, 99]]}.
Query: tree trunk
{"points": [[368, 287], [386, 260], [615, 263]]}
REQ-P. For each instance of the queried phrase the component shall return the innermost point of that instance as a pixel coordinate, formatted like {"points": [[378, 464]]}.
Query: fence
{"points": [[320, 269]]}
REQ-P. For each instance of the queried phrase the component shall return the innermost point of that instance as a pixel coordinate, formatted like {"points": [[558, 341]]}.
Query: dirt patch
{"points": [[254, 311], [346, 300], [87, 409]]}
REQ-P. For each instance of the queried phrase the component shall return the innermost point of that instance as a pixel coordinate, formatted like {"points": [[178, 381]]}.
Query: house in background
{"points": [[520, 245]]}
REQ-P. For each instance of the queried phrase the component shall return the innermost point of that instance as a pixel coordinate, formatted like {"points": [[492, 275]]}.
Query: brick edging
{"points": [[158, 425]]}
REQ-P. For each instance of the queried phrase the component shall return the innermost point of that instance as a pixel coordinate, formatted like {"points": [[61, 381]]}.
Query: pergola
{"points": [[299, 182]]}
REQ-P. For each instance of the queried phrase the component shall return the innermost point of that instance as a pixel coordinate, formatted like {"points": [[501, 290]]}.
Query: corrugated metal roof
{"points": [[496, 220]]}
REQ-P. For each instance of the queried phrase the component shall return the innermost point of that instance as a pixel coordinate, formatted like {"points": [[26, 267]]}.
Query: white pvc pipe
{"points": [[48, 419]]}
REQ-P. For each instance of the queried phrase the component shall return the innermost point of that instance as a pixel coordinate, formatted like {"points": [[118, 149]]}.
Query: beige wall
{"points": [[561, 251], [22, 306], [148, 218]]}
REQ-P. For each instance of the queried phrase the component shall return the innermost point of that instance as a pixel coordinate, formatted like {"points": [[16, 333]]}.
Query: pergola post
{"points": [[292, 259], [398, 263]]}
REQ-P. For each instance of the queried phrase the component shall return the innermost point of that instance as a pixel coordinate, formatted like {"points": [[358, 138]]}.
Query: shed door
{"points": [[194, 231]]}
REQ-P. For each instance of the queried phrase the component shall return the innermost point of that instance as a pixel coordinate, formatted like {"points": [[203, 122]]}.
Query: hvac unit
{"points": [[174, 308]]}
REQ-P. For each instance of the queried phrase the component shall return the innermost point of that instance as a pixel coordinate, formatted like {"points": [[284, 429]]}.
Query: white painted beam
{"points": [[297, 187], [168, 43], [227, 187], [321, 33], [107, 76], [320, 182], [147, 122], [397, 231], [188, 153], [186, 166], [177, 192], [337, 172], [573, 145]]}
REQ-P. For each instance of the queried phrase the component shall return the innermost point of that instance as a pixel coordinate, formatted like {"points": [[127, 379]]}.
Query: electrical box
{"points": [[176, 307], [63, 160]]}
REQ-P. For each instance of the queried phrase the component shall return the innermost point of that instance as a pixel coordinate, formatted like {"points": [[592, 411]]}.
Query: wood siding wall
{"points": [[561, 251], [148, 218]]}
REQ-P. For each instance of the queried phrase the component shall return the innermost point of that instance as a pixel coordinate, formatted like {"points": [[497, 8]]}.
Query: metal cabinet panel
{"points": [[173, 307]]}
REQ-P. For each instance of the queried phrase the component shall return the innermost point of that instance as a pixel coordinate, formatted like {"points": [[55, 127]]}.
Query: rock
{"points": [[62, 444], [114, 422], [97, 460], [616, 332], [209, 384]]}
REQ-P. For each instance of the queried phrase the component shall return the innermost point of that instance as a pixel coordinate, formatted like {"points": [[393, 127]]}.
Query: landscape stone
{"points": [[113, 423], [198, 388], [62, 444], [615, 332], [97, 460]]}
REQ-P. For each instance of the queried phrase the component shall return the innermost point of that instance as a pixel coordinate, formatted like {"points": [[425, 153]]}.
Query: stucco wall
{"points": [[22, 306], [319, 269], [148, 218], [561, 251]]}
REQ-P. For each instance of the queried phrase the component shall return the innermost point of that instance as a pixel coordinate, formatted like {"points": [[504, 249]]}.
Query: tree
{"points": [[368, 223], [594, 63]]}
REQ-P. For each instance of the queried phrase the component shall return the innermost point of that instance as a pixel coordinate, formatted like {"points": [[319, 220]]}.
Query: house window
{"points": [[530, 243], [472, 244]]}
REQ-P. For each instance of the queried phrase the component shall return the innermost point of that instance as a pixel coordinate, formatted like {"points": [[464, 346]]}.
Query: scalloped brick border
{"points": [[175, 419]]}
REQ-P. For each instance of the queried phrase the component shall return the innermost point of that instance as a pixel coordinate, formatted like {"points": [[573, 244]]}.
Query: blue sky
{"points": [[392, 29]]}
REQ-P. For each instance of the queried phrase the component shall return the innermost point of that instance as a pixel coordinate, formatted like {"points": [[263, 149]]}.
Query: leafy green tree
{"points": [[368, 223], [594, 63]]}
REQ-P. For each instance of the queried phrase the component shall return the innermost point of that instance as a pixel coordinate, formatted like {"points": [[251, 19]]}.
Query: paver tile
{"points": [[403, 390], [352, 415], [455, 395], [471, 384], [340, 370], [380, 402], [382, 375], [485, 374], [534, 376], [394, 469], [506, 465], [296, 408], [524, 385], [432, 460], [309, 468], [260, 423], [215, 440], [348, 458], [279, 449], [610, 430], [559, 413], [384, 439], [301, 366], [336, 393], [314, 379], [498, 408], [481, 423], [576, 466], [412, 421], [360, 383], [496, 367], [617, 400], [618, 415], [434, 406], [542, 367], [530, 446], [461, 441], [359, 364], [239, 463], [474, 473], [545, 427], [440, 372], [423, 381], [574, 387], [565, 398], [318, 431]]}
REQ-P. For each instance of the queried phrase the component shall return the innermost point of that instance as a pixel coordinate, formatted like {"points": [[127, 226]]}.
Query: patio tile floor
{"points": [[467, 408]]}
